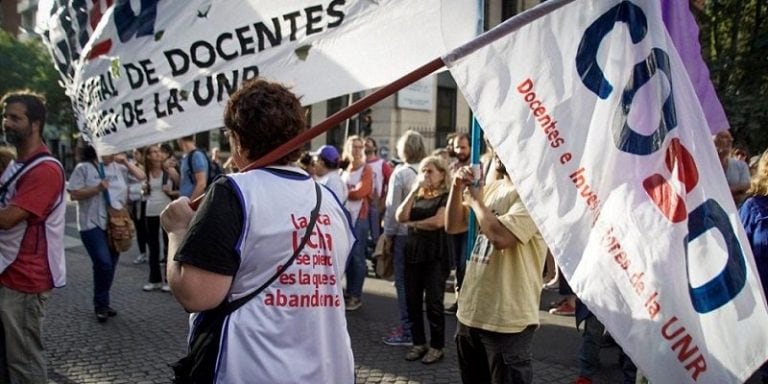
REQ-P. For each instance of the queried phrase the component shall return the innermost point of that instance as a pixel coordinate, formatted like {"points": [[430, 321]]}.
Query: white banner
{"points": [[164, 69], [597, 122]]}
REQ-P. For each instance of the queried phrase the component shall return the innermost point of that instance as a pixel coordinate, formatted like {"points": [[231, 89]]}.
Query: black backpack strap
{"points": [[190, 170], [232, 306]]}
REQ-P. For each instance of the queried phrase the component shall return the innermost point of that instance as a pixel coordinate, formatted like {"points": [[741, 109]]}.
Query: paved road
{"points": [[149, 333]]}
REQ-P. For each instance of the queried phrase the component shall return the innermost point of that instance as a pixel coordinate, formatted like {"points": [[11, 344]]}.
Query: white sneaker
{"points": [[152, 287], [140, 259], [166, 288]]}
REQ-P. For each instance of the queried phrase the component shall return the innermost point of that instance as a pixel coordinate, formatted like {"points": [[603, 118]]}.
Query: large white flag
{"points": [[145, 73], [596, 120]]}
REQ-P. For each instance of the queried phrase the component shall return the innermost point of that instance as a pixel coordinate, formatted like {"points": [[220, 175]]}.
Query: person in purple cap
{"points": [[326, 161]]}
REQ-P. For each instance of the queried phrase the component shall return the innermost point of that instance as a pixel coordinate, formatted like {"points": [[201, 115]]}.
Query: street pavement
{"points": [[149, 332]]}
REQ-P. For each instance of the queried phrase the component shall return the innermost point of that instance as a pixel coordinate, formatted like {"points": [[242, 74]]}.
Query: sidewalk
{"points": [[150, 329]]}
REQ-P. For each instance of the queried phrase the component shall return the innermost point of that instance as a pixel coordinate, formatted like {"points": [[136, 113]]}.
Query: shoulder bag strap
{"points": [[105, 192], [231, 307]]}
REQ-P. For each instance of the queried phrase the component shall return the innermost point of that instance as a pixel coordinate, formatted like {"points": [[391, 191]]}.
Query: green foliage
{"points": [[734, 38], [28, 65]]}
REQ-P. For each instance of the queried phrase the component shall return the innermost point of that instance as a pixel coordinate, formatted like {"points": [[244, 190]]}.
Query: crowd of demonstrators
{"points": [[137, 206], [498, 309], [736, 171], [32, 210], [358, 177], [427, 263], [411, 150], [215, 261], [754, 216], [325, 163], [462, 150], [94, 185], [159, 192]]}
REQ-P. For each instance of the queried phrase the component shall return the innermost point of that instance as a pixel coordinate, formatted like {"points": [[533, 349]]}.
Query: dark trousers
{"points": [[153, 242], [137, 215], [425, 282], [492, 357], [589, 352], [457, 245]]}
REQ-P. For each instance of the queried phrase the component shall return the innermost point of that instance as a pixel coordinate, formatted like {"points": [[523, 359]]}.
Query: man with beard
{"points": [[457, 243], [499, 300], [31, 239]]}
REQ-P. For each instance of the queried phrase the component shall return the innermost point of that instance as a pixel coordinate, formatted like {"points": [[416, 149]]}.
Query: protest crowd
{"points": [[406, 214], [271, 260]]}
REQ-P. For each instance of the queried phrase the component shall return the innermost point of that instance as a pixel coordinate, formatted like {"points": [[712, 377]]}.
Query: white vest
{"points": [[10, 239], [295, 331]]}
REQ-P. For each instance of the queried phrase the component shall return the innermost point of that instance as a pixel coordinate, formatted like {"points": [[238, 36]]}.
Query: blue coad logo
{"points": [[709, 215]]}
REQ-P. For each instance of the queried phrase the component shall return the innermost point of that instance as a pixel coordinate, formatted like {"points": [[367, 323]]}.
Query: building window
{"points": [[445, 108], [508, 9], [336, 135]]}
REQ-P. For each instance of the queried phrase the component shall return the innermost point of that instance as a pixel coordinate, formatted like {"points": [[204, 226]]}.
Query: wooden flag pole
{"points": [[338, 117]]}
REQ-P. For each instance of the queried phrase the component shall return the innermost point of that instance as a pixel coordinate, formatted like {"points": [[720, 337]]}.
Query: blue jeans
{"points": [[104, 264], [357, 268], [374, 222], [398, 255]]}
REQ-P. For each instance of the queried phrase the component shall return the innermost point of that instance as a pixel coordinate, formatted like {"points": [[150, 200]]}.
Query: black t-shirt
{"points": [[426, 245], [211, 243]]}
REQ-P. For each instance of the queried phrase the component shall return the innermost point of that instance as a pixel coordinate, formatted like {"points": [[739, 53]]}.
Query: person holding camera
{"points": [[499, 299]]}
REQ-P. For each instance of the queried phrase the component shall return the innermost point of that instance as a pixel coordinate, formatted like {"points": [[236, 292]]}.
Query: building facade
{"points": [[432, 106]]}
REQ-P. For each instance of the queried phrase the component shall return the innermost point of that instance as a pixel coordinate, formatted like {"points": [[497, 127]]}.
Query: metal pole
{"points": [[340, 116]]}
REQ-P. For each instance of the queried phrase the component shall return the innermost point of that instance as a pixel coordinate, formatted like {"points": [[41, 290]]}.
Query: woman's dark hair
{"points": [[265, 115], [89, 153], [305, 160]]}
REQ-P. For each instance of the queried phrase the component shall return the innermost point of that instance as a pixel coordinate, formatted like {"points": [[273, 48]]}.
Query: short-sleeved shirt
{"points": [[737, 172], [38, 191], [224, 222], [502, 288], [400, 184], [92, 212], [199, 164]]}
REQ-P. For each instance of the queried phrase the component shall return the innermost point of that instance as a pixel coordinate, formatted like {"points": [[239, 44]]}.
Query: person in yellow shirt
{"points": [[499, 299]]}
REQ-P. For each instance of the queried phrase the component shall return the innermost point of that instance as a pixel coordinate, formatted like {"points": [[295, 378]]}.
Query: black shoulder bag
{"points": [[199, 365]]}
